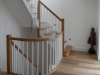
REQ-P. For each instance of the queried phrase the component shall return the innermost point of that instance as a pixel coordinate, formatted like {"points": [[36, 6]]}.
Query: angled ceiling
{"points": [[19, 11]]}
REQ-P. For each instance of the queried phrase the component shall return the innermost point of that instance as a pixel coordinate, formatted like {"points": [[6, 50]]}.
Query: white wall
{"points": [[98, 43], [8, 25], [54, 5], [80, 16]]}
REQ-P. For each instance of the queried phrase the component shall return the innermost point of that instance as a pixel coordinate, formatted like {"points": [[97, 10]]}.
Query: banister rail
{"points": [[55, 42], [50, 10], [44, 39]]}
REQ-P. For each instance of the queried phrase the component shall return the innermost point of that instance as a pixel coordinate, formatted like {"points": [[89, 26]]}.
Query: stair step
{"points": [[45, 28], [65, 42], [67, 51], [50, 33]]}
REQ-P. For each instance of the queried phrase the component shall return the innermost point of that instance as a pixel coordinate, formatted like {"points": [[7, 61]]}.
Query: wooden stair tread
{"points": [[50, 33], [65, 42], [67, 49]]}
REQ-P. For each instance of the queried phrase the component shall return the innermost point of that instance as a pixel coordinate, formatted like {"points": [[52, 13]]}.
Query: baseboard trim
{"points": [[98, 58], [80, 49], [0, 69]]}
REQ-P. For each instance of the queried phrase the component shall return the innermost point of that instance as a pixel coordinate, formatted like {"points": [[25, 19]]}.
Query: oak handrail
{"points": [[44, 39], [50, 10], [23, 53]]}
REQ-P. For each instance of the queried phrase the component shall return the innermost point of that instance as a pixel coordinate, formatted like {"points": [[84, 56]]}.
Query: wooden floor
{"points": [[78, 63]]}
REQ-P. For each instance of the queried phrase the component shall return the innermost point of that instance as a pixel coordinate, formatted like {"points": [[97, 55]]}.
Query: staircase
{"points": [[38, 56]]}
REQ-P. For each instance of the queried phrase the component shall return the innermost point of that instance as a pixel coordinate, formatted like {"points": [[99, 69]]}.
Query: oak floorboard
{"points": [[78, 63]]}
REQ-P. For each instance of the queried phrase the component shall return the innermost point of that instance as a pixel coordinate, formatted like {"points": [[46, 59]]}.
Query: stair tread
{"points": [[50, 33], [65, 42], [67, 49]]}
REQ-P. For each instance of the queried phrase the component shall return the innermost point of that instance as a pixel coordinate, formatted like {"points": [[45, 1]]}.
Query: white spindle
{"points": [[16, 61], [55, 23], [41, 15], [49, 22], [47, 58], [44, 17], [14, 58], [53, 54], [23, 57], [18, 57], [60, 26], [57, 51], [59, 48], [50, 55], [27, 60], [32, 56], [52, 21], [37, 58], [42, 57], [32, 1], [20, 64]]}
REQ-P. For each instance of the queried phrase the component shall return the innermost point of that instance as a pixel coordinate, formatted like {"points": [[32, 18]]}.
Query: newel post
{"points": [[63, 36], [38, 35], [9, 55]]}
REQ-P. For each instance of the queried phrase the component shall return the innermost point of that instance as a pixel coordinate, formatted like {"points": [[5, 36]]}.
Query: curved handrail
{"points": [[44, 39]]}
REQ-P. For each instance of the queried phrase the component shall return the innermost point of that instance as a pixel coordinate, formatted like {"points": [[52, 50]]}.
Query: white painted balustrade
{"points": [[21, 60]]}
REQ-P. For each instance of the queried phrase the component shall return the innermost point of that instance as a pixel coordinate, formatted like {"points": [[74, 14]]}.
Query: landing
{"points": [[78, 63]]}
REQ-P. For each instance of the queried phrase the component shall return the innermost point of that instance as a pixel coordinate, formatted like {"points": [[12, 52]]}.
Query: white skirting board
{"points": [[0, 69], [74, 48], [80, 49], [98, 57]]}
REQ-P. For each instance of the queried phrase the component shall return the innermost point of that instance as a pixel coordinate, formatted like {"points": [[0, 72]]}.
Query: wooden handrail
{"points": [[50, 11], [23, 54], [44, 39]]}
